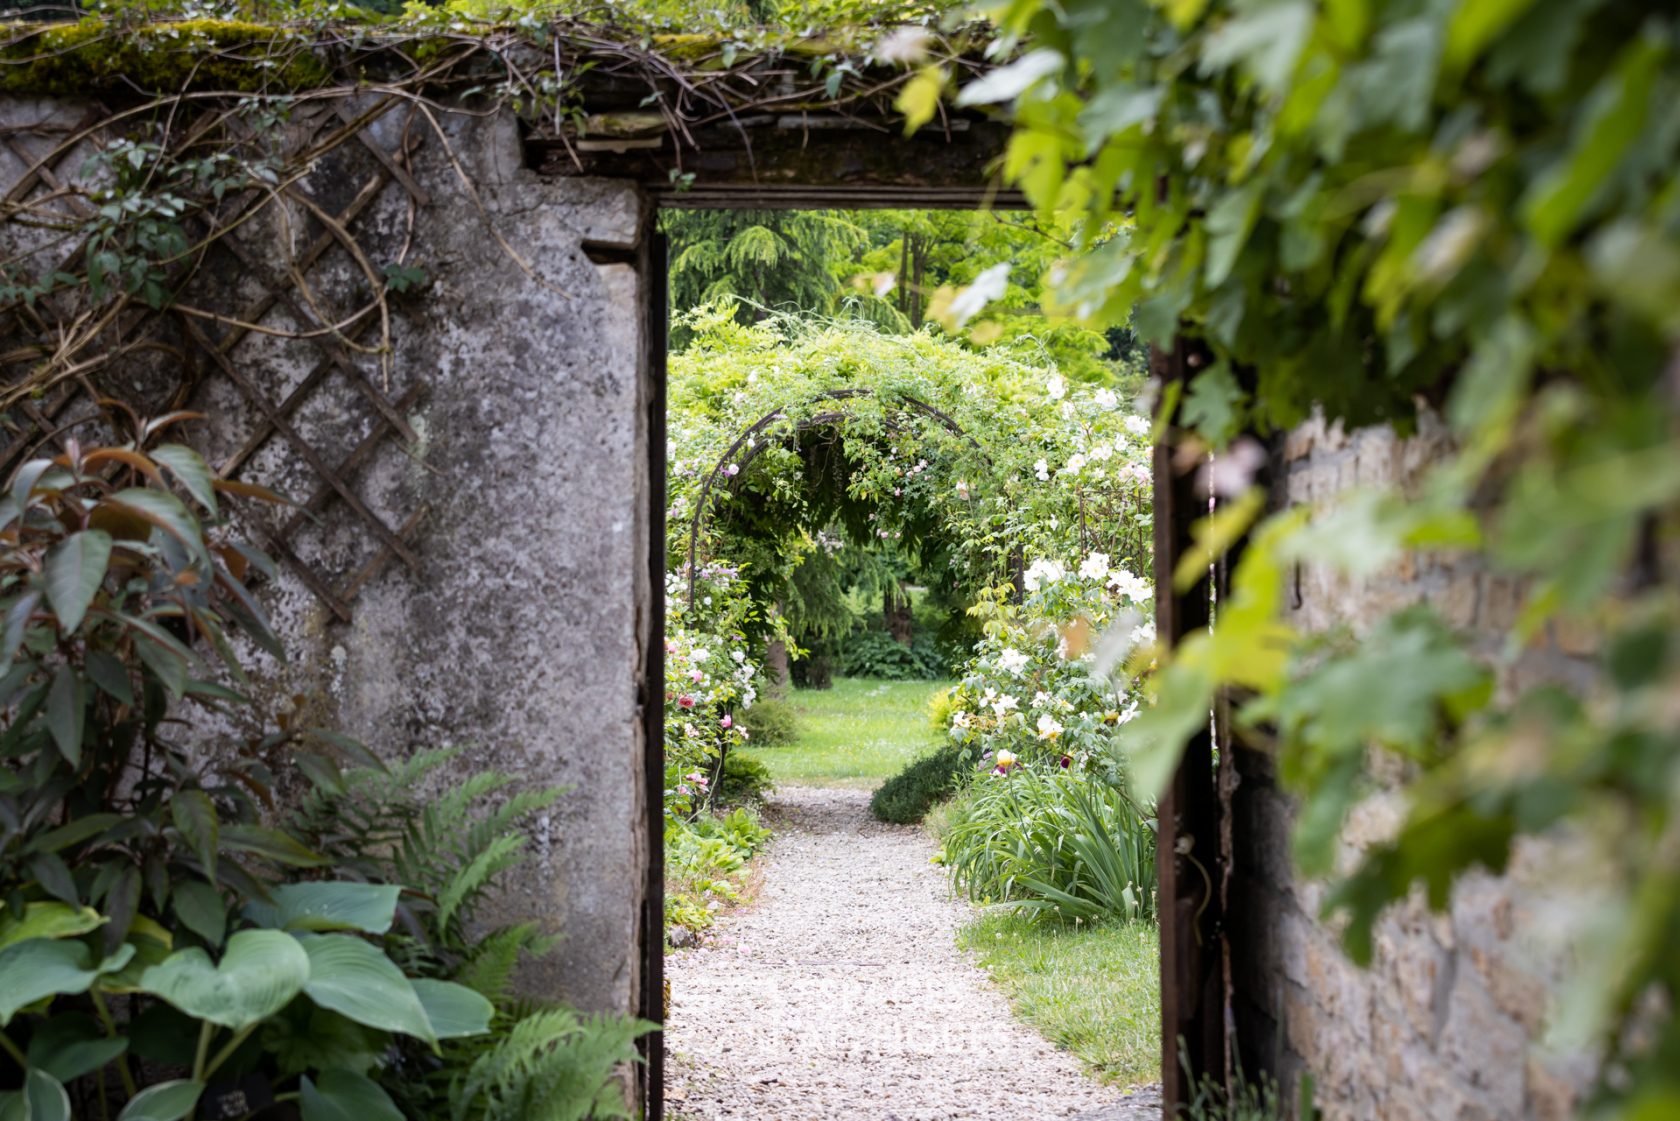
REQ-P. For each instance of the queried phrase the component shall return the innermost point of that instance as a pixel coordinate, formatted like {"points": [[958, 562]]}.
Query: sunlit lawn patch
{"points": [[1095, 990], [855, 734]]}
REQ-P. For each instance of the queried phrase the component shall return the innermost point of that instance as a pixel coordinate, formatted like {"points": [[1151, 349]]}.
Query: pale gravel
{"points": [[840, 994]]}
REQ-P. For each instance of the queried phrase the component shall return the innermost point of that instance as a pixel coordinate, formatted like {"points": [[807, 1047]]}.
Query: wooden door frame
{"points": [[1191, 818]]}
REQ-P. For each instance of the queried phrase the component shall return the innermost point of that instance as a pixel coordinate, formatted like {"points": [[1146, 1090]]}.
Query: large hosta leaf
{"points": [[43, 967], [354, 979], [68, 1045], [344, 1095], [328, 906], [261, 971], [42, 1099], [454, 1010], [167, 1101], [47, 920]]}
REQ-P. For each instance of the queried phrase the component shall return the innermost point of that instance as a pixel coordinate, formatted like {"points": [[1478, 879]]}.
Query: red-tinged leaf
{"points": [[120, 522], [127, 458], [251, 490], [167, 513], [73, 571], [158, 424]]}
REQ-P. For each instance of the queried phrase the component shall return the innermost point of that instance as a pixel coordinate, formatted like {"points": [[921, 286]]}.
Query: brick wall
{"points": [[1449, 1021]]}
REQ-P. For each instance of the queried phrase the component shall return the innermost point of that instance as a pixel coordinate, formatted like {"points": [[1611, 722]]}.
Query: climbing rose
{"points": [[1106, 399], [1136, 425], [686, 701], [1042, 572], [1048, 727], [1012, 661], [1095, 567], [727, 722], [1056, 387], [1042, 470]]}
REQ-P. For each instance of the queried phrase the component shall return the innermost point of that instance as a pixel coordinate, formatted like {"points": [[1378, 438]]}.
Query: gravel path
{"points": [[840, 995]]}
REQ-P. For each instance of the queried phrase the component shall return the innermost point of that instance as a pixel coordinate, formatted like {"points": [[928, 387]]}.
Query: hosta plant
{"points": [[167, 950]]}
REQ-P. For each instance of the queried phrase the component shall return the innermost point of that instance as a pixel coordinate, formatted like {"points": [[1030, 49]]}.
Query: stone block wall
{"points": [[518, 632], [1449, 1021]]}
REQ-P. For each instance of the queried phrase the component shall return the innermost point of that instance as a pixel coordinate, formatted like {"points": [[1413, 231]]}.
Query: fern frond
{"points": [[554, 1065]]}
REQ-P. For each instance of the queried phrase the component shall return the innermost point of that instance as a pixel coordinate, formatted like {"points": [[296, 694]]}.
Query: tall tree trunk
{"points": [[776, 672], [895, 611]]}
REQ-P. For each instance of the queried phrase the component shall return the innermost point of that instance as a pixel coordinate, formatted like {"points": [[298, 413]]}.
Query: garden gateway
{"points": [[477, 556]]}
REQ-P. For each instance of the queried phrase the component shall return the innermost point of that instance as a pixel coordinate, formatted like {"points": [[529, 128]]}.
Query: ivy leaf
{"points": [[1213, 403], [1009, 82], [1266, 39], [919, 99], [1609, 123]]}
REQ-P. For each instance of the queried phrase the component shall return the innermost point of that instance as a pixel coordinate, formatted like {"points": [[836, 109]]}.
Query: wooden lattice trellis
{"points": [[204, 347]]}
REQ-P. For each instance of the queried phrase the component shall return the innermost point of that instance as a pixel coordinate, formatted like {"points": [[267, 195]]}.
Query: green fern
{"points": [[553, 1065]]}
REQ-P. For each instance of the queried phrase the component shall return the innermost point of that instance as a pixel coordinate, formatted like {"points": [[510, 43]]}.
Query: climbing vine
{"points": [[1377, 211]]}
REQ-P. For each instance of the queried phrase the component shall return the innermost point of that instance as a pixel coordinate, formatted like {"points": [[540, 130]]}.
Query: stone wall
{"points": [[517, 634], [1448, 1023]]}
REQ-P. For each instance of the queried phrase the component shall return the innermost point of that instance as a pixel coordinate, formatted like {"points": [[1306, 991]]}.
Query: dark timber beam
{"points": [[802, 160], [1187, 852]]}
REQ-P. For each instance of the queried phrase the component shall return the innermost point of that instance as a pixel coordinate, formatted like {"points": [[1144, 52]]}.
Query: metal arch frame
{"points": [[730, 455]]}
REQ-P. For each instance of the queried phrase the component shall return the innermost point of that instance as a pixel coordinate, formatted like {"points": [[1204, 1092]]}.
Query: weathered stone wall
{"points": [[1448, 1023], [518, 634]]}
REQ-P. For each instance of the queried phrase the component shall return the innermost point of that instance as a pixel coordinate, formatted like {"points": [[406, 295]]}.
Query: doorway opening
{"points": [[907, 532]]}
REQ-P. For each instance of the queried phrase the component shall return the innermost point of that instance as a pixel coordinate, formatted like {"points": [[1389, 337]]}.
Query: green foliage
{"points": [[869, 652], [705, 864], [1352, 208], [857, 734], [1053, 843], [771, 723], [906, 798], [554, 1065], [744, 779], [137, 864]]}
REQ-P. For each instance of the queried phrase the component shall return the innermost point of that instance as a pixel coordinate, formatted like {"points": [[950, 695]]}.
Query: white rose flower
{"points": [[1042, 572], [1056, 387], [1004, 705], [1012, 661], [1106, 399], [1048, 727], [1042, 470], [1124, 583], [1137, 425], [1095, 567]]}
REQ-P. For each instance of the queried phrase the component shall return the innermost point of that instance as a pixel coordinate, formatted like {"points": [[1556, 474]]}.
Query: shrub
{"points": [[770, 723], [906, 798], [744, 779], [704, 863], [1055, 843], [875, 653]]}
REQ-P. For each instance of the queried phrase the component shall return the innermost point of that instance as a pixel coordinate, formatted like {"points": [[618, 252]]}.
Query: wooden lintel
{"points": [[798, 161]]}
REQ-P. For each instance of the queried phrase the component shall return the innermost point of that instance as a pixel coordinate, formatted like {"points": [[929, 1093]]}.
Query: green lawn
{"points": [[1095, 990], [858, 733]]}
